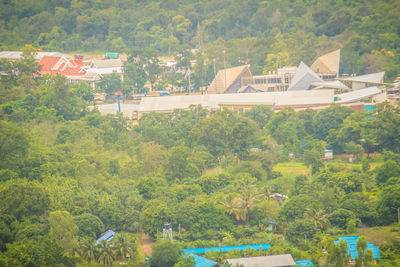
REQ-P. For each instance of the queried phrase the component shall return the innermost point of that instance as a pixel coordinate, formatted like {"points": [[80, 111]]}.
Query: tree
{"points": [[36, 252], [341, 217], [13, 145], [134, 77], [88, 250], [84, 91], [110, 84], [63, 230], [300, 230], [24, 200], [388, 203], [364, 257], [105, 253], [337, 254], [186, 262], [387, 170], [89, 225], [261, 114], [59, 96], [165, 254], [313, 158], [329, 119], [318, 217], [123, 246], [388, 121], [295, 207]]}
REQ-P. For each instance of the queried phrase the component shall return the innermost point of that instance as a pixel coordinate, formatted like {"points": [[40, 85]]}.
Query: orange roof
{"points": [[70, 68], [48, 62]]}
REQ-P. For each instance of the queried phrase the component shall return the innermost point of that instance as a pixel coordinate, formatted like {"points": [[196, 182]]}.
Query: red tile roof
{"points": [[48, 62], [72, 68]]}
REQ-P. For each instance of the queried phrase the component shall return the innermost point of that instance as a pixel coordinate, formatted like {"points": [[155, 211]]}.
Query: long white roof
{"points": [[14, 55], [357, 95], [215, 101]]}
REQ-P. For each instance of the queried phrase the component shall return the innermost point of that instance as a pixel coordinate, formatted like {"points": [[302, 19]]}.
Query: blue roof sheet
{"points": [[226, 249], [304, 263], [352, 247], [201, 262], [106, 236]]}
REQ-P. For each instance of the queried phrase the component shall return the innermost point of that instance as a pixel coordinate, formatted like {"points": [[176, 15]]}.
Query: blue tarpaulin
{"points": [[226, 249], [304, 263], [352, 247], [202, 262]]}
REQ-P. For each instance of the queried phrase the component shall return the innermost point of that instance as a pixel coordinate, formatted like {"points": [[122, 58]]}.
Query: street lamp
{"points": [[118, 94]]}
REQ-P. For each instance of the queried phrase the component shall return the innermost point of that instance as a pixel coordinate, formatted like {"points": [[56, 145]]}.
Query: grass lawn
{"points": [[379, 234], [291, 169]]}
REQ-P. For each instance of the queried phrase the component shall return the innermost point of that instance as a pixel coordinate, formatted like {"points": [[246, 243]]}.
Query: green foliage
{"points": [[300, 230], [341, 217], [294, 208], [24, 199], [165, 253], [89, 225], [110, 84]]}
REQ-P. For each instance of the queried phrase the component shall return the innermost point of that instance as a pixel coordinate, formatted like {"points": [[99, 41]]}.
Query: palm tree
{"points": [[105, 253], [318, 216], [122, 245], [88, 250]]}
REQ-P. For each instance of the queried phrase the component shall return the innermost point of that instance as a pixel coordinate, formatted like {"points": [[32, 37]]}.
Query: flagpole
{"points": [[189, 82]]}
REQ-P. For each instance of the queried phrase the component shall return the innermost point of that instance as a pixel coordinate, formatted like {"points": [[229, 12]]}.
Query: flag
{"points": [[187, 74]]}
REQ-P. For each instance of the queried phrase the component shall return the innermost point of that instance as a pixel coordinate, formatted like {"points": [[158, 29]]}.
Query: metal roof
{"points": [[106, 63], [14, 55], [330, 85], [109, 235], [368, 78], [357, 95], [215, 101], [264, 261], [303, 78]]}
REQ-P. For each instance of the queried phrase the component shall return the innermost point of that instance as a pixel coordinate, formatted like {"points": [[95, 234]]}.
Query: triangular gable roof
{"points": [[303, 78], [218, 84], [328, 63], [368, 78], [253, 88]]}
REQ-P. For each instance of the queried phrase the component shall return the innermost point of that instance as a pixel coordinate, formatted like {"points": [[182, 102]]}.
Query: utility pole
{"points": [[215, 74], [224, 70]]}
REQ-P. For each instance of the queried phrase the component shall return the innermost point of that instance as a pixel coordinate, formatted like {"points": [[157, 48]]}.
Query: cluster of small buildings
{"points": [[302, 87], [74, 68], [271, 260]]}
